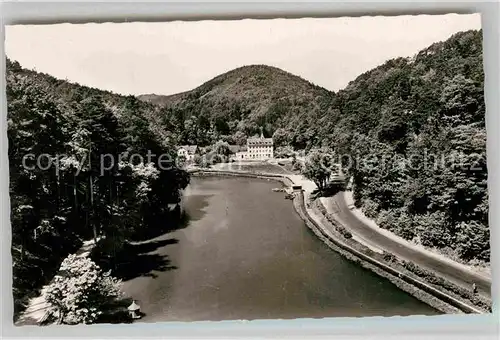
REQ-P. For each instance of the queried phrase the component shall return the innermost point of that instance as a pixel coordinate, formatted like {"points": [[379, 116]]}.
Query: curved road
{"points": [[337, 205]]}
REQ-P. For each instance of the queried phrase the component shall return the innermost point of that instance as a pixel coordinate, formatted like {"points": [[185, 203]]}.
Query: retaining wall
{"points": [[417, 283]]}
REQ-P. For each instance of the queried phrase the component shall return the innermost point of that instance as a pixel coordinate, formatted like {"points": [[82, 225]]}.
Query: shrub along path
{"points": [[38, 306]]}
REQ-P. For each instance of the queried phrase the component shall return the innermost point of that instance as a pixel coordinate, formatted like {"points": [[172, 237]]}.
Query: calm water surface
{"points": [[246, 254]]}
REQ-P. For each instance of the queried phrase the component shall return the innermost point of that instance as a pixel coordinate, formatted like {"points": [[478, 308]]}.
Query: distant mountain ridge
{"points": [[240, 74], [236, 104], [160, 100]]}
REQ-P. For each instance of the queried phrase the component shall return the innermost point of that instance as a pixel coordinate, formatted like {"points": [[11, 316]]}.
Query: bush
{"points": [[370, 208], [80, 291], [283, 152], [397, 221], [386, 219], [433, 230], [405, 226], [473, 241], [222, 148], [342, 230], [388, 257], [297, 166], [201, 161], [218, 159]]}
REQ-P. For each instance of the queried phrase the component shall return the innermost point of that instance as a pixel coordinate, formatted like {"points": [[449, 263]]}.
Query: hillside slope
{"points": [[82, 187], [414, 131], [65, 93], [236, 104]]}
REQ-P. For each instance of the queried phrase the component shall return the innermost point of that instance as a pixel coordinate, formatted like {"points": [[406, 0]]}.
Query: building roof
{"points": [[191, 149], [260, 141], [237, 148], [134, 306]]}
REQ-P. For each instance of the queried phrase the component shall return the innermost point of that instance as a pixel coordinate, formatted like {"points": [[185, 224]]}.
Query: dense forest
{"points": [[71, 195], [236, 104], [410, 132], [421, 123]]}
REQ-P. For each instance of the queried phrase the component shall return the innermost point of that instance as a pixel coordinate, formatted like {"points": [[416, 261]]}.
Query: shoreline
{"points": [[416, 287]]}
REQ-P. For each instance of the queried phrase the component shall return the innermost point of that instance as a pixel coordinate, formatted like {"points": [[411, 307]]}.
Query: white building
{"points": [[260, 148]]}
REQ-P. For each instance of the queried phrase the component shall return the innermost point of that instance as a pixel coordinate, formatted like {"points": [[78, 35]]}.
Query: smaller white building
{"points": [[187, 151], [238, 152], [240, 155]]}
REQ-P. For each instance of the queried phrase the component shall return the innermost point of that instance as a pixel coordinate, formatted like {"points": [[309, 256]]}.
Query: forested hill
{"points": [[65, 93], [236, 104], [373, 103], [62, 190], [417, 109], [420, 110]]}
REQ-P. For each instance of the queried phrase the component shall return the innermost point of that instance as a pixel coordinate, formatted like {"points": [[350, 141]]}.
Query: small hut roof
{"points": [[134, 306]]}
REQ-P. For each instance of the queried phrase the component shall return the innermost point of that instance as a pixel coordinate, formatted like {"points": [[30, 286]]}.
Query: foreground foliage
{"points": [[80, 291]]}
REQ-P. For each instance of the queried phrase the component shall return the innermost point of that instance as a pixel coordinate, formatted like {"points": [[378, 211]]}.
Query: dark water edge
{"points": [[246, 254]]}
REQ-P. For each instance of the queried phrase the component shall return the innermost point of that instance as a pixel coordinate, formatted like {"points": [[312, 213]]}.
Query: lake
{"points": [[246, 254]]}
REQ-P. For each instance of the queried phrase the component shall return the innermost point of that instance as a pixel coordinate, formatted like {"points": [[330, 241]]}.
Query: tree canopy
{"points": [[71, 173]]}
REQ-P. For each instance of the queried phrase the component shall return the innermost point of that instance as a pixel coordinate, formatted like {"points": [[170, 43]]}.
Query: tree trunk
{"points": [[75, 193], [58, 188], [91, 179], [92, 222], [60, 318]]}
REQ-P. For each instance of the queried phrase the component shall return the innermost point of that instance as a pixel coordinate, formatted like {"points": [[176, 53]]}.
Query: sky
{"points": [[171, 57]]}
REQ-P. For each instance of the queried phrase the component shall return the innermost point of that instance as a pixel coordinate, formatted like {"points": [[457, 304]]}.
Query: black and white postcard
{"points": [[248, 169]]}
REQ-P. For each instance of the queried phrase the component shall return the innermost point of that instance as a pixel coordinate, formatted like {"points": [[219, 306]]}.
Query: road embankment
{"points": [[440, 272], [404, 279]]}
